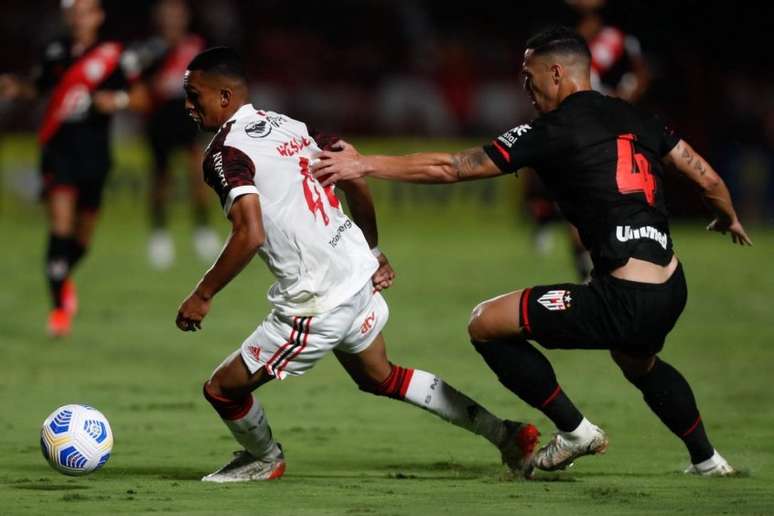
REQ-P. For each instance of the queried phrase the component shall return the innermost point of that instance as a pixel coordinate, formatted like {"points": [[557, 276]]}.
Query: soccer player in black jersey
{"points": [[87, 82], [603, 161]]}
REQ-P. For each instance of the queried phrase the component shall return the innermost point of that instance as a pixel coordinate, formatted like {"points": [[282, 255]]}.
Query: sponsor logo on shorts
{"points": [[556, 300], [626, 233], [255, 352], [368, 323]]}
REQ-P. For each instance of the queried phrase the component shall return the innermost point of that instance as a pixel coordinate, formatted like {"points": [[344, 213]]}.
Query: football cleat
{"points": [[69, 297], [59, 323], [161, 250], [244, 467], [564, 448], [519, 445], [715, 466]]}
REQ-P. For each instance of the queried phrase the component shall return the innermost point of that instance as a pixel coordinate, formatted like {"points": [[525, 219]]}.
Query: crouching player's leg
{"points": [[229, 390], [363, 355], [499, 329]]}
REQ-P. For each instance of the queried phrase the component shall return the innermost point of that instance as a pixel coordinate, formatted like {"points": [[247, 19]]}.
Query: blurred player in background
{"points": [[87, 80], [617, 69], [164, 59], [329, 273], [602, 160]]}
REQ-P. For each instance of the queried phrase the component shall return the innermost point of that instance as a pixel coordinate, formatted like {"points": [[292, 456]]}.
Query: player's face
{"points": [[540, 82], [202, 101], [84, 17]]}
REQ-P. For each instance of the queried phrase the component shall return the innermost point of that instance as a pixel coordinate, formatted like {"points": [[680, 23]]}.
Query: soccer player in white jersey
{"points": [[329, 273]]}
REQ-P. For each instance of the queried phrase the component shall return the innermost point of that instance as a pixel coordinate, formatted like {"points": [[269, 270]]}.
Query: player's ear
{"points": [[556, 72], [225, 97]]}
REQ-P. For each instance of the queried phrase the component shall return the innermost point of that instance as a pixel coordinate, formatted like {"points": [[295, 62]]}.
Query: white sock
{"points": [[431, 393], [253, 432], [711, 462], [583, 432]]}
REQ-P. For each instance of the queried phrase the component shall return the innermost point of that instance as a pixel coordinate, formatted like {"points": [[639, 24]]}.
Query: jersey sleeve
{"points": [[666, 137], [523, 146], [231, 173]]}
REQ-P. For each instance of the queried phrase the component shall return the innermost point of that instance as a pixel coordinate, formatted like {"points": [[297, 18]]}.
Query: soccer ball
{"points": [[76, 439]]}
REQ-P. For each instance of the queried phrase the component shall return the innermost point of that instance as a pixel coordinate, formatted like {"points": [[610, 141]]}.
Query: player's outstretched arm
{"points": [[361, 208], [247, 235], [691, 165], [13, 87], [425, 167]]}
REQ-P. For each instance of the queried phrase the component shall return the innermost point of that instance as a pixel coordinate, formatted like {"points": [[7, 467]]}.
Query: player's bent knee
{"points": [[394, 386], [478, 329]]}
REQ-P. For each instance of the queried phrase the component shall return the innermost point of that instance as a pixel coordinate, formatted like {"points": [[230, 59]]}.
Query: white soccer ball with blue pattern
{"points": [[76, 439]]}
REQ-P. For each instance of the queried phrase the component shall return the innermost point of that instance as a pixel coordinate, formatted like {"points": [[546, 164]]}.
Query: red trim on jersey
{"points": [[167, 82], [524, 311], [607, 48], [693, 427], [297, 351], [552, 397], [497, 146], [88, 72]]}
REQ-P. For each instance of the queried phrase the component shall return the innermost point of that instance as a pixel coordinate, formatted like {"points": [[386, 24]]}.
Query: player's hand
{"points": [[109, 101], [341, 163], [738, 235], [10, 86], [192, 311], [384, 275]]}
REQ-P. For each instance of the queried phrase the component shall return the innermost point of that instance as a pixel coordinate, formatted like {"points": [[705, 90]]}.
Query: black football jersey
{"points": [[82, 125], [600, 158]]}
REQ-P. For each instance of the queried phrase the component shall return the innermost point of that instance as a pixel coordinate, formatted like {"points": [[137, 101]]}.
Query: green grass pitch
{"points": [[350, 452]]}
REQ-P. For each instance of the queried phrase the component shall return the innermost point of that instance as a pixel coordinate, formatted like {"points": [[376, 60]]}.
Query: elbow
{"points": [[711, 184]]}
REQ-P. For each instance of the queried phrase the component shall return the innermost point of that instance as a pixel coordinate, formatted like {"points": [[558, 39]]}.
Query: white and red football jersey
{"points": [[318, 255]]}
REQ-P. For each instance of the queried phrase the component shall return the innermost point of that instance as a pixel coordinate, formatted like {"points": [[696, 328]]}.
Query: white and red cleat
{"points": [[715, 466], [565, 447], [244, 467], [518, 447]]}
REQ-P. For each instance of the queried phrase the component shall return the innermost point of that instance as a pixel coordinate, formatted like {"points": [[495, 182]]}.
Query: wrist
{"points": [[203, 294], [376, 251]]}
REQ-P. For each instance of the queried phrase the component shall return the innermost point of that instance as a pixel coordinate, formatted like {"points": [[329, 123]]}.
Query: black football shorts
{"points": [[81, 167], [608, 313]]}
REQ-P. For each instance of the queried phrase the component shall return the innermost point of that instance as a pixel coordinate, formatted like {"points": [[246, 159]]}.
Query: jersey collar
{"points": [[242, 112]]}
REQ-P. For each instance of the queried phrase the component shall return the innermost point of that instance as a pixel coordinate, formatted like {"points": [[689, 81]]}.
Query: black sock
{"points": [[668, 394], [527, 373], [57, 266], [77, 251]]}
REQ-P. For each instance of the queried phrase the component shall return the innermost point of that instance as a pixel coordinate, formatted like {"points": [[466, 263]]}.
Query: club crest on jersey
{"points": [[259, 129], [556, 300]]}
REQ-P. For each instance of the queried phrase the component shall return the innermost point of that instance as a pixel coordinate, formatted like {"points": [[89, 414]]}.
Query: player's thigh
{"points": [[362, 350], [233, 378], [369, 366], [497, 318]]}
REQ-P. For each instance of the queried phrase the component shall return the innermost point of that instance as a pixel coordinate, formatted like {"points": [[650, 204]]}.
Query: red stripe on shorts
{"points": [[524, 314], [297, 351], [284, 346]]}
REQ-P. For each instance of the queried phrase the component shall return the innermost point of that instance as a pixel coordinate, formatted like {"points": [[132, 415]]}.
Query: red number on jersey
{"points": [[632, 174], [312, 194]]}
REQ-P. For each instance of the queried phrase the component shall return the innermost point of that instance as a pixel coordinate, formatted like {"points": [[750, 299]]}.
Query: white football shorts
{"points": [[288, 345]]}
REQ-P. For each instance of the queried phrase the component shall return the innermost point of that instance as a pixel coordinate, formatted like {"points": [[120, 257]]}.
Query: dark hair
{"points": [[559, 40], [221, 61]]}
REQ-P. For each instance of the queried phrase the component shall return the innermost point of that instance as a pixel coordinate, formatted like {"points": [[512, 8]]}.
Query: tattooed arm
{"points": [[691, 165], [424, 167]]}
